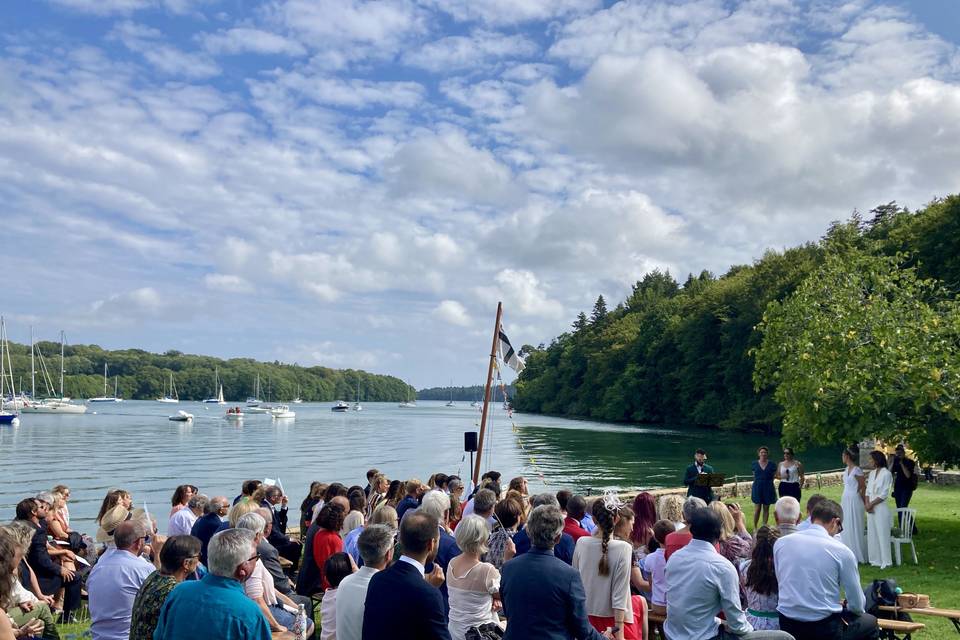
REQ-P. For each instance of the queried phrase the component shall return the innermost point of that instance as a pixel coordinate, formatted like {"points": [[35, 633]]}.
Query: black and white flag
{"points": [[508, 355]]}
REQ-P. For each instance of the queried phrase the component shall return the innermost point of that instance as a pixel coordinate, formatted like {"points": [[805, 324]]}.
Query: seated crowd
{"points": [[427, 561]]}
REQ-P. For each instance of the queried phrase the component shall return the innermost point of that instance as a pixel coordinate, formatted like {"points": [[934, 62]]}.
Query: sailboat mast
{"points": [[486, 394], [104, 379], [62, 340], [33, 369]]}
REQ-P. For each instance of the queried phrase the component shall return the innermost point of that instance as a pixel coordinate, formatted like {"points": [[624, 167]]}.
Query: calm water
{"points": [[132, 445]]}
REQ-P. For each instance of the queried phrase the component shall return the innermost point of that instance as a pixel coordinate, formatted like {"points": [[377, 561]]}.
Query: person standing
{"points": [[762, 493], [790, 475], [905, 479], [852, 502], [879, 519], [696, 469]]}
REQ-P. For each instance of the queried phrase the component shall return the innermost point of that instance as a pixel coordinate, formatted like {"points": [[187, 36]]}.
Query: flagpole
{"points": [[486, 395]]}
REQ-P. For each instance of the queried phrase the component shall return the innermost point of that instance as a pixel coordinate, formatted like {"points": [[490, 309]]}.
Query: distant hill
{"points": [[144, 376], [460, 394]]}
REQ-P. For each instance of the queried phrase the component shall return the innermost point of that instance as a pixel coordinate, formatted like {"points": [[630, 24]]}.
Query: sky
{"points": [[356, 184]]}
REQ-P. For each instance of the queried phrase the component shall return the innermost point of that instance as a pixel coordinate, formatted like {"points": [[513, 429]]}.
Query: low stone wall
{"points": [[812, 481], [948, 477]]}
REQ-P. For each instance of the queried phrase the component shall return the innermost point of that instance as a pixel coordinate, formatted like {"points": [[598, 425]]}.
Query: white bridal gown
{"points": [[853, 515], [880, 521]]}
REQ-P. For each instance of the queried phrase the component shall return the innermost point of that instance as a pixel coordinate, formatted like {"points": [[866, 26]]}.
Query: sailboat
{"points": [[255, 400], [218, 387], [450, 404], [409, 404], [356, 405], [170, 396], [105, 397], [49, 405], [298, 399], [12, 416]]}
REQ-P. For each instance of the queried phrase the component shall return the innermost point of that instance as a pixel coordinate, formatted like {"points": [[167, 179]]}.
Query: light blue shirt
{"points": [[112, 587], [700, 583], [214, 607], [350, 543]]}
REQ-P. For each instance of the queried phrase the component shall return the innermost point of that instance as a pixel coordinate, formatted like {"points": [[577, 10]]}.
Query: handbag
{"points": [[913, 600], [487, 631]]}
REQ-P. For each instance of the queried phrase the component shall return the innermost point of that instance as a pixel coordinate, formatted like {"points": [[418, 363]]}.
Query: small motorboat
{"points": [[263, 408], [340, 407], [282, 411], [181, 416], [234, 413]]}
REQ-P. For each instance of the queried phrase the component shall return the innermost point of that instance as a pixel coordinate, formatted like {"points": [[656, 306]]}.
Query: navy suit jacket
{"points": [[204, 528], [447, 551], [563, 550], [543, 599], [408, 502], [401, 605], [690, 477]]}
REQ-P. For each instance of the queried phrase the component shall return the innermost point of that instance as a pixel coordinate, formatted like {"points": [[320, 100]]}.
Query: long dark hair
{"points": [[179, 494], [761, 576], [395, 492], [879, 459], [604, 519], [110, 500], [645, 516]]}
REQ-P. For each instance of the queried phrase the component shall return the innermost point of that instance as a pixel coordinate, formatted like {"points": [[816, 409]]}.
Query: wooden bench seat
{"points": [[898, 629], [953, 615]]}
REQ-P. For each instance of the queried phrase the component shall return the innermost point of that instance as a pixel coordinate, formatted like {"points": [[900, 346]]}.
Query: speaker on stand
{"points": [[470, 445]]}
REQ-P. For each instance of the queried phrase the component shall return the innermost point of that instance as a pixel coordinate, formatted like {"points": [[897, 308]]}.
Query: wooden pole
{"points": [[486, 395]]}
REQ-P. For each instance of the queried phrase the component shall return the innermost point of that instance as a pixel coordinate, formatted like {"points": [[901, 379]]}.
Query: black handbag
{"points": [[488, 631]]}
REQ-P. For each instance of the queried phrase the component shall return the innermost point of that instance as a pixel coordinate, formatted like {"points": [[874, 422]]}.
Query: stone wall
{"points": [[812, 482]]}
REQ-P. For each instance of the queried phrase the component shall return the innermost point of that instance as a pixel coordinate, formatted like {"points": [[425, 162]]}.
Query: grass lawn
{"points": [[938, 549]]}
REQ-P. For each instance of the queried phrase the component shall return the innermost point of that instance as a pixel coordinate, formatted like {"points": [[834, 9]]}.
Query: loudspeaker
{"points": [[470, 441]]}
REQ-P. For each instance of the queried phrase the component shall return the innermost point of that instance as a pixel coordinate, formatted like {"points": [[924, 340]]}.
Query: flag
{"points": [[508, 355]]}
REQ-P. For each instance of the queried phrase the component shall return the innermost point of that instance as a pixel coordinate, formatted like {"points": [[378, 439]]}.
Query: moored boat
{"points": [[181, 416], [340, 407]]}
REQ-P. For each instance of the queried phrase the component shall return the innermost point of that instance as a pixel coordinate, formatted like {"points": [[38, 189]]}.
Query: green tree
{"points": [[865, 347]]}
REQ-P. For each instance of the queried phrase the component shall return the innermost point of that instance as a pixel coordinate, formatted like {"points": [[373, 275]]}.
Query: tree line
{"points": [[142, 375], [856, 335], [472, 393]]}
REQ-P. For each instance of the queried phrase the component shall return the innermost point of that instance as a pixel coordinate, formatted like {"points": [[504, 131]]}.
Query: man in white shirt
{"points": [[700, 583], [181, 522], [787, 513], [811, 569], [113, 583], [376, 549]]}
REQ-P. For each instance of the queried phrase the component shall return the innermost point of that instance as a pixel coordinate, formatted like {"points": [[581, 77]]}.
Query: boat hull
{"points": [[65, 408], [168, 400]]}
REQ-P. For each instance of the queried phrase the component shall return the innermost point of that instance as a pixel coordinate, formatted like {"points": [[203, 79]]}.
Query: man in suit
{"points": [[209, 523], [50, 575], [543, 598], [401, 604], [289, 549], [563, 549], [698, 467]]}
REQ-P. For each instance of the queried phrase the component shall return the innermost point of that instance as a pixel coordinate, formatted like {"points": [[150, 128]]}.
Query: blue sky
{"points": [[356, 184]]}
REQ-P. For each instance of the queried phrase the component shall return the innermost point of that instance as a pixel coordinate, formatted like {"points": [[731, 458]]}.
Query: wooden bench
{"points": [[898, 629], [655, 624], [953, 615]]}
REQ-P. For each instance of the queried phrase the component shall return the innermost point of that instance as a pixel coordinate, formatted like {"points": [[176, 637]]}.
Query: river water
{"points": [[132, 445]]}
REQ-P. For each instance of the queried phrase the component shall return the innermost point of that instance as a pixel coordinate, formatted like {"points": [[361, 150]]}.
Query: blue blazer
{"points": [[203, 529], [401, 605], [447, 551], [543, 599], [563, 550]]}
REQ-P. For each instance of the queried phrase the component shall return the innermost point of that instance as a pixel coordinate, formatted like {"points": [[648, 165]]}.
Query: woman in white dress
{"points": [[854, 490], [474, 586], [879, 519]]}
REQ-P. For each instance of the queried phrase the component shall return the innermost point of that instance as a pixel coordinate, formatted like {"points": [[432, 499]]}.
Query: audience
{"points": [[437, 504], [645, 512], [314, 496], [375, 544], [576, 508], [605, 565], [179, 558], [812, 502], [274, 498], [542, 596], [812, 567], [700, 583], [655, 565], [670, 507], [411, 500], [679, 539], [28, 609], [216, 606], [181, 497], [622, 531], [758, 579], [336, 568], [377, 496], [247, 489], [786, 513], [351, 542], [209, 523], [474, 585], [509, 515], [326, 542], [10, 554], [113, 583], [562, 549], [483, 503], [408, 607], [51, 576], [358, 507], [182, 521], [736, 543]]}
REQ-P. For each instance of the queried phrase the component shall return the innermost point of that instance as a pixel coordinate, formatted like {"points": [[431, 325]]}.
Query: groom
{"points": [[698, 467]]}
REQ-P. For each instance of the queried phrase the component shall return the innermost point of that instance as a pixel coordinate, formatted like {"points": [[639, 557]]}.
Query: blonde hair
{"points": [[670, 507], [472, 535], [241, 509], [726, 519]]}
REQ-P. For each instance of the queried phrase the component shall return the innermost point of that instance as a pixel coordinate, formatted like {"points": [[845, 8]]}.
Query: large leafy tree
{"points": [[865, 347]]}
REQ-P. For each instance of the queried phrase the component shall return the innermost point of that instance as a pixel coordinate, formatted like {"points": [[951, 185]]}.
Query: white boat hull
{"points": [[181, 416], [168, 400], [57, 407], [105, 400], [284, 415]]}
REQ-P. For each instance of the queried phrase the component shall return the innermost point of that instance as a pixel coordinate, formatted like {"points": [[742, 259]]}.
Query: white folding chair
{"points": [[904, 533]]}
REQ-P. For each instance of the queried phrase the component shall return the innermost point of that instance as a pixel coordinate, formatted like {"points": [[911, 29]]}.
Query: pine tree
{"points": [[599, 311]]}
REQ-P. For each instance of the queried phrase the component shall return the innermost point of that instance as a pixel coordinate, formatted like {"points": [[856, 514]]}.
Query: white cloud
{"points": [[227, 282], [149, 42], [469, 52], [522, 293], [249, 40], [508, 12], [104, 7], [452, 312]]}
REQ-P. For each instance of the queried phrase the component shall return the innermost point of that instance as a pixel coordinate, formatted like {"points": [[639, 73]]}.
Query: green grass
{"points": [[938, 549]]}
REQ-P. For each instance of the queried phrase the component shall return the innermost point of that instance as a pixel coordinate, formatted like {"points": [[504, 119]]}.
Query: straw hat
{"points": [[109, 522]]}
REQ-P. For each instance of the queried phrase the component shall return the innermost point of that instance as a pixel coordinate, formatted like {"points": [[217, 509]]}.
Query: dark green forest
{"points": [[460, 394], [684, 352], [145, 376]]}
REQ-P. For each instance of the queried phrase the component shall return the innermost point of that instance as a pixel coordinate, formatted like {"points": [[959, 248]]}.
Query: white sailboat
{"points": [[255, 401], [298, 399], [49, 405], [105, 397], [409, 404], [218, 387], [170, 396], [7, 416], [356, 405], [450, 404]]}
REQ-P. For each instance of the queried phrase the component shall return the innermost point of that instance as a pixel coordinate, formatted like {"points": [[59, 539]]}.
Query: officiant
{"points": [[698, 468]]}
